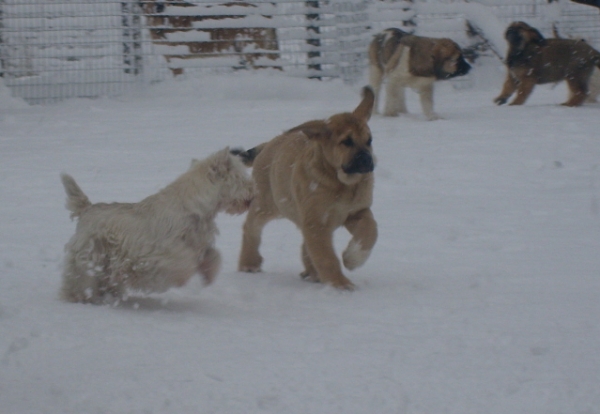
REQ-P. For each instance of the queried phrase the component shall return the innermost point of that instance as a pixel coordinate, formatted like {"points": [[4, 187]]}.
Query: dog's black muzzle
{"points": [[362, 163], [462, 67], [512, 36]]}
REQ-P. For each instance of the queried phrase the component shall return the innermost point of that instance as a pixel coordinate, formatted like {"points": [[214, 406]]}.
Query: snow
{"points": [[481, 295]]}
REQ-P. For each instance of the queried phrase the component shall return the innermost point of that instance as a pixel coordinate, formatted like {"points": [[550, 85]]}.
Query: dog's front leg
{"points": [[318, 240], [363, 228], [509, 87], [426, 97], [209, 265], [524, 89]]}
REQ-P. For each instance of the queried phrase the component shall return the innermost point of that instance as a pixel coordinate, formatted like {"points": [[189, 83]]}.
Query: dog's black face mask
{"points": [[513, 36], [362, 163], [462, 67]]}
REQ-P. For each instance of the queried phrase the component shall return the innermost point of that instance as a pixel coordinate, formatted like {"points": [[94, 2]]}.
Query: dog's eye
{"points": [[348, 142], [370, 141]]}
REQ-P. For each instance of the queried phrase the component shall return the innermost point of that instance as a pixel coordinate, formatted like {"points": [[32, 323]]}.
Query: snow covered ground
{"points": [[481, 296]]}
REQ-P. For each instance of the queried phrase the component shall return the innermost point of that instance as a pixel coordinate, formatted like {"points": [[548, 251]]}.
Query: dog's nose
{"points": [[362, 163], [463, 67], [512, 35]]}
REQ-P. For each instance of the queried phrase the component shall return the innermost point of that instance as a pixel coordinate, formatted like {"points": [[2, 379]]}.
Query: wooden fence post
{"points": [[312, 30]]}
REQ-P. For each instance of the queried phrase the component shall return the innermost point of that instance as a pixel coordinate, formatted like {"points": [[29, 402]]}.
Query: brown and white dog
{"points": [[415, 62], [532, 60], [319, 175]]}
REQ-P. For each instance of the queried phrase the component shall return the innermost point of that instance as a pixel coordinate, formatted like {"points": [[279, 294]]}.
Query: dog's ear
{"points": [[365, 107], [220, 166], [536, 37], [313, 129]]}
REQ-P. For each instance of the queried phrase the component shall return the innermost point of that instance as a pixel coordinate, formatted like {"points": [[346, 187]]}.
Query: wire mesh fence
{"points": [[56, 49]]}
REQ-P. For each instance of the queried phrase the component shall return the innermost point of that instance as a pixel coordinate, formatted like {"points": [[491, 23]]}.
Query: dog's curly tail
{"points": [[248, 156], [77, 201]]}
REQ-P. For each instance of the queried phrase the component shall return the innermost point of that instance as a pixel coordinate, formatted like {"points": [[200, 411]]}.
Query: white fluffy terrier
{"points": [[158, 243]]}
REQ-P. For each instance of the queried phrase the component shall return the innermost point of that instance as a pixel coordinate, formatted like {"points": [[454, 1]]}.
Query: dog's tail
{"points": [[248, 156], [77, 201]]}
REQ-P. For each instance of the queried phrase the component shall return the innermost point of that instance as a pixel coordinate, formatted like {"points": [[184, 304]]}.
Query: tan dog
{"points": [[319, 175], [532, 60], [416, 62], [158, 243]]}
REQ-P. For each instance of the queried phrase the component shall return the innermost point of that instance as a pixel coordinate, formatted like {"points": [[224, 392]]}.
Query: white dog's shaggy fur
{"points": [[158, 243]]}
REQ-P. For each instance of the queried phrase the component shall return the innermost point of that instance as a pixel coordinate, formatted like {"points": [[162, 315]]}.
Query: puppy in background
{"points": [[158, 243], [415, 62], [534, 60], [594, 86], [319, 175]]}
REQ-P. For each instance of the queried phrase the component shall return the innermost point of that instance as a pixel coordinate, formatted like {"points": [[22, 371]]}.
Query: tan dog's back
{"points": [[274, 169]]}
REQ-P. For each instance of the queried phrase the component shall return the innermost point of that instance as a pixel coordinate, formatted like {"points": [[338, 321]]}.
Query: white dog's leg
{"points": [[80, 281], [426, 95], [210, 265], [395, 100]]}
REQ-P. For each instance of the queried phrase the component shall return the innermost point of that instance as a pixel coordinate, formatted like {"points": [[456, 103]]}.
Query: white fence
{"points": [[56, 49]]}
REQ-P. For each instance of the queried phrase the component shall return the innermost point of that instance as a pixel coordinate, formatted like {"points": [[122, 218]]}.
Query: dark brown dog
{"points": [[533, 60], [416, 62], [319, 175]]}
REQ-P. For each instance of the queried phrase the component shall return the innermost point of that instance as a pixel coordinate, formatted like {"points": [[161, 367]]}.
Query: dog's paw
{"points": [[342, 284], [500, 100], [250, 269], [433, 116], [354, 256], [310, 277]]}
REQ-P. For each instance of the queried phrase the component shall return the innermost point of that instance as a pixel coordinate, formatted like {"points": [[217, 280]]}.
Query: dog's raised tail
{"points": [[248, 156], [77, 201]]}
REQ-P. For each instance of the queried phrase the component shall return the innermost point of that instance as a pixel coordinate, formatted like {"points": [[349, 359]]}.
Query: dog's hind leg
{"points": [[578, 92], [79, 283], [250, 259], [395, 98], [363, 228], [375, 80], [209, 265], [309, 273]]}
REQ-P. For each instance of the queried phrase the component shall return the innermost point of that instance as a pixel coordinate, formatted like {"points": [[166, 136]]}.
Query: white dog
{"points": [[158, 243]]}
